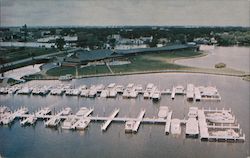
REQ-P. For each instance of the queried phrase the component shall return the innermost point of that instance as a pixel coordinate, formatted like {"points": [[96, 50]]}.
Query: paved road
{"points": [[37, 57]]}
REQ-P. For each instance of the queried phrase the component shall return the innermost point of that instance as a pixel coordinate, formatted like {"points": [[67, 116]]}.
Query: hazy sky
{"points": [[125, 12]]}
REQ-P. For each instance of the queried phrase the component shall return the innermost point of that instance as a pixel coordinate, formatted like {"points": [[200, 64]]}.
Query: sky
{"points": [[125, 12]]}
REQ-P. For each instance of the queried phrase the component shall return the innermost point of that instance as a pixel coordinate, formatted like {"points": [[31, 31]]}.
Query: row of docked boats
{"points": [[112, 90]]}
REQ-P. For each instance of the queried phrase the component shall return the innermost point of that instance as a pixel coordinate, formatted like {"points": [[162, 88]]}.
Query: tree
{"points": [[60, 42]]}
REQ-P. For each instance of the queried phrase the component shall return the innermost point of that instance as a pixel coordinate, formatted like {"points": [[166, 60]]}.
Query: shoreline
{"points": [[192, 70]]}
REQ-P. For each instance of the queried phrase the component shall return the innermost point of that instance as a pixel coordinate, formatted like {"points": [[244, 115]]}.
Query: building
{"points": [[83, 57]]}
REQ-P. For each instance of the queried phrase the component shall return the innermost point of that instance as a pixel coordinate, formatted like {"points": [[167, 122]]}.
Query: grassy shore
{"points": [[148, 62], [143, 64]]}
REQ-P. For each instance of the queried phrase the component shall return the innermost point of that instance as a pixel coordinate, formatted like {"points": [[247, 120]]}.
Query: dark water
{"points": [[150, 141]]}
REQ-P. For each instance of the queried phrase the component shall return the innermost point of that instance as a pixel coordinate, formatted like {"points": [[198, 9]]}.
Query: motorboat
{"points": [[175, 126], [163, 112], [129, 126], [193, 112]]}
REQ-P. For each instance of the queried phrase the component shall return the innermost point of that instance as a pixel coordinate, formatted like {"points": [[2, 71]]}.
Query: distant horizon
{"points": [[125, 12], [121, 26]]}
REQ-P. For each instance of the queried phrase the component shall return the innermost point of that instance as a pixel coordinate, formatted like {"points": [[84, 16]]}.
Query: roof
{"points": [[83, 55]]}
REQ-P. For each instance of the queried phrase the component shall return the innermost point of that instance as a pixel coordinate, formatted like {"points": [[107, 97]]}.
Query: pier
{"points": [[138, 121], [208, 131], [168, 122], [110, 118]]}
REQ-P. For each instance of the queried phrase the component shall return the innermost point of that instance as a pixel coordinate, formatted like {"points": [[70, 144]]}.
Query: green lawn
{"points": [[91, 70], [145, 62]]}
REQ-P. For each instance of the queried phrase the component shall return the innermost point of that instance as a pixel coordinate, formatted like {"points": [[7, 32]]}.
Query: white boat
{"points": [[75, 92], [192, 128], [53, 122], [66, 111], [84, 93], [146, 95], [190, 92], [111, 85], [209, 93], [82, 111], [221, 117], [133, 94], [138, 88], [43, 111], [81, 124], [179, 90], [229, 133], [69, 122], [112, 93], [29, 120], [163, 112], [99, 88], [25, 90], [193, 112], [126, 94], [57, 91], [4, 109], [7, 119], [92, 93], [129, 125], [156, 95], [3, 90], [119, 88], [104, 93], [66, 77], [175, 126]]}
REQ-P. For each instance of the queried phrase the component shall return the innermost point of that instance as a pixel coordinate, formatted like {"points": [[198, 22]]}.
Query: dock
{"points": [[173, 93], [138, 121], [206, 131], [168, 122], [110, 118]]}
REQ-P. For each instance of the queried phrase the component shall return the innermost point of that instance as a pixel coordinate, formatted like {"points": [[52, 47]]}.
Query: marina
{"points": [[148, 132]]}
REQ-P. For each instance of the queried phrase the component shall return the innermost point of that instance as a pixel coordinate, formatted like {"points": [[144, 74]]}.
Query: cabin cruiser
{"points": [[65, 78], [179, 90], [156, 95], [43, 111], [29, 120], [99, 88], [192, 127], [25, 90], [163, 112], [190, 92], [69, 122], [229, 133], [66, 111], [193, 112], [53, 122], [221, 117], [133, 94], [82, 111], [119, 88], [129, 126], [3, 90], [175, 126], [84, 93], [81, 124], [112, 93], [104, 93]]}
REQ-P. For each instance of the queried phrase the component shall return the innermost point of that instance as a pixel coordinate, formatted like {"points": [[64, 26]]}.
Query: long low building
{"points": [[83, 57]]}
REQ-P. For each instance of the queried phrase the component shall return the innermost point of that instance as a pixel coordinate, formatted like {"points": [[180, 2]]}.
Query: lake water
{"points": [[150, 141], [234, 57]]}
